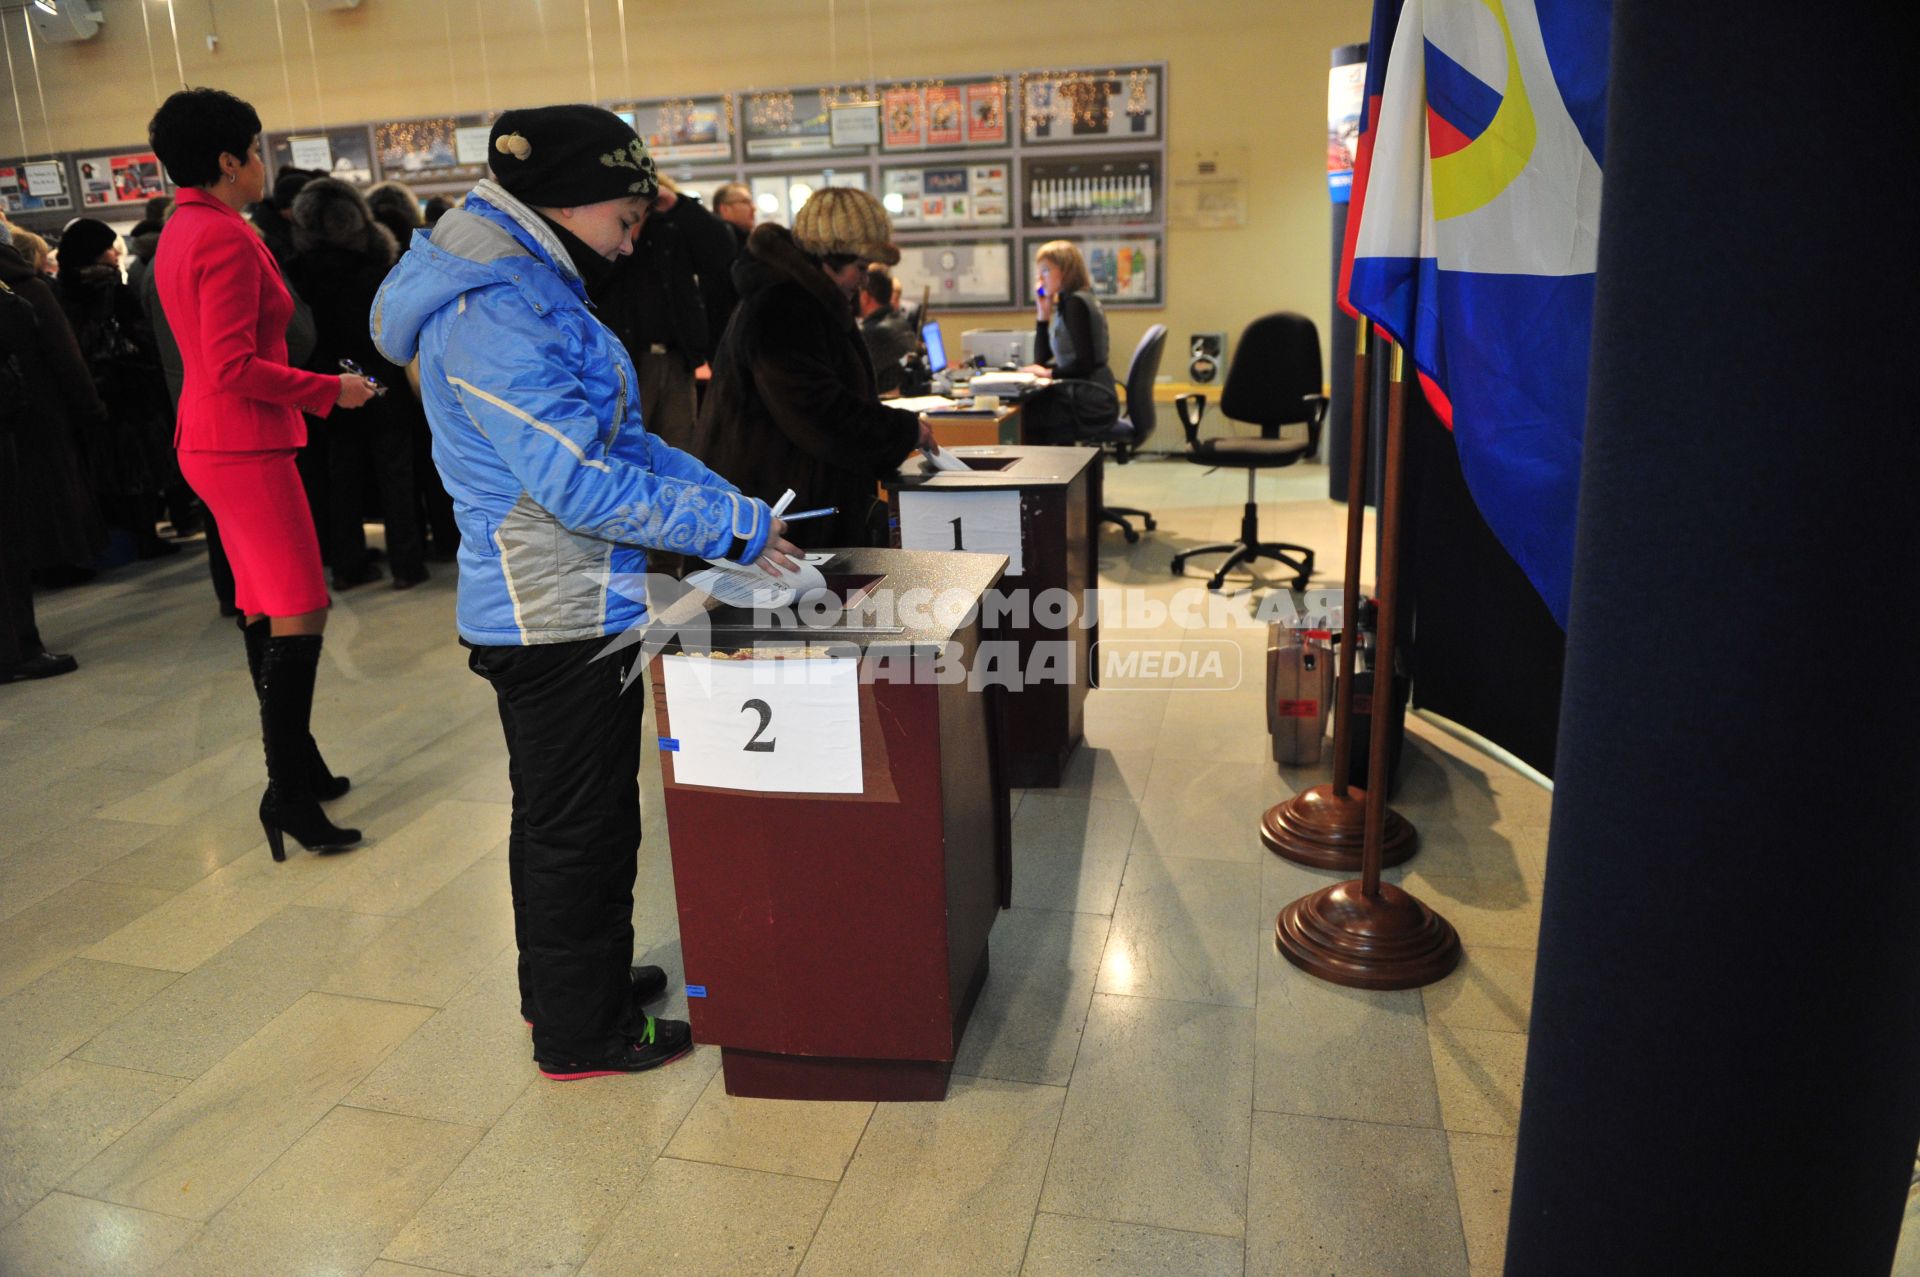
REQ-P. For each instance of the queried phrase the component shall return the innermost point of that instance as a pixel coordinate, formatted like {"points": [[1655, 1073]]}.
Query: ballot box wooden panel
{"points": [[1059, 495], [835, 943]]}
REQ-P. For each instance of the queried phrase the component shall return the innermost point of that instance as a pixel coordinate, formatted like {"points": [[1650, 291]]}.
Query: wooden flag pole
{"points": [[1325, 826], [1371, 934]]}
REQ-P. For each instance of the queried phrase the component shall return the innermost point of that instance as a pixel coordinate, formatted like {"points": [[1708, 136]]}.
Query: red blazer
{"points": [[223, 297]]}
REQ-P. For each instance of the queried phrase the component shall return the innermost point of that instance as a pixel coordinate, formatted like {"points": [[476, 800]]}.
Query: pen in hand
{"points": [[810, 514]]}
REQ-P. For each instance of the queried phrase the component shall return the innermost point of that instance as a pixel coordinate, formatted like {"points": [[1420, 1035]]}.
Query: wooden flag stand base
{"points": [[1369, 934], [1324, 827]]}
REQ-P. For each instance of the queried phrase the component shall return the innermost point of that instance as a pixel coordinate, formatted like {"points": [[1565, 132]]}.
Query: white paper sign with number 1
{"points": [[786, 726], [945, 519]]}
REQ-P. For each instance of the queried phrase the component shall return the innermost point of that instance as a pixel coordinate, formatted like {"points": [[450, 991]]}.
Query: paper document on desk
{"points": [[1011, 384], [752, 586], [921, 403]]}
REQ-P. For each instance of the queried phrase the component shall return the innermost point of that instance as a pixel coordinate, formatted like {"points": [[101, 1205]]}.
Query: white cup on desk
{"points": [[987, 403]]}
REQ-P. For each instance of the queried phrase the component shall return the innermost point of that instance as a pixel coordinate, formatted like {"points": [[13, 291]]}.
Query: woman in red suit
{"points": [[239, 424]]}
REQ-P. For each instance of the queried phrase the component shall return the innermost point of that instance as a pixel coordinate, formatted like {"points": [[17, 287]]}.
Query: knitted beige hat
{"points": [[840, 219]]}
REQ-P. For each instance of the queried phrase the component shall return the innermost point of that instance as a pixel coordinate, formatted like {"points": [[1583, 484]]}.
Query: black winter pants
{"points": [[573, 756]]}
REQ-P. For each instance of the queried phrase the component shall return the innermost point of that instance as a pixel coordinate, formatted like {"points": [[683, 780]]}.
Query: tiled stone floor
{"points": [[210, 1063]]}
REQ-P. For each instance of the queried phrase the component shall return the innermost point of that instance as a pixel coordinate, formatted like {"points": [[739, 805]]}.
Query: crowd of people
{"points": [[91, 378], [579, 367]]}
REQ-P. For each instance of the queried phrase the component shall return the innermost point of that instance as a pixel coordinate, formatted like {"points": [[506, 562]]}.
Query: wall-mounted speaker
{"points": [[1207, 357], [63, 21]]}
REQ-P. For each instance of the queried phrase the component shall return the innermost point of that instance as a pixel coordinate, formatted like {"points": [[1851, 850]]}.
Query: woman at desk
{"points": [[1070, 342]]}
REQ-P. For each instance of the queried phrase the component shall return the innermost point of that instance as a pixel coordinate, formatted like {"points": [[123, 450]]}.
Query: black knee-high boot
{"points": [[287, 667], [326, 786]]}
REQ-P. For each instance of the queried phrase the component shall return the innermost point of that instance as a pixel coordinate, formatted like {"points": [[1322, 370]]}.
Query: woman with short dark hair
{"points": [[239, 424]]}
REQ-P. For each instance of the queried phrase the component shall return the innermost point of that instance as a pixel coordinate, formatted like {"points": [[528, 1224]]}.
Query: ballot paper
{"points": [[943, 460], [753, 586]]}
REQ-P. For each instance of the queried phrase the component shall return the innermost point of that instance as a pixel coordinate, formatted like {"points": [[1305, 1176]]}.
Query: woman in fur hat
{"points": [[793, 403], [341, 255]]}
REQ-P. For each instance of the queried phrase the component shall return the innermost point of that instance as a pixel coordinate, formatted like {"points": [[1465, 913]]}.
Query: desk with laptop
{"points": [[969, 403]]}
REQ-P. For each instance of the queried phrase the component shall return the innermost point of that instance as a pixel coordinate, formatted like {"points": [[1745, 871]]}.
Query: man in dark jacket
{"points": [[793, 402], [62, 524], [712, 246], [651, 299], [890, 335], [22, 653]]}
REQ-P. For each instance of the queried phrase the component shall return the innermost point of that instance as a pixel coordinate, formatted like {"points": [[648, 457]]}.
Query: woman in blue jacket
{"points": [[559, 490]]}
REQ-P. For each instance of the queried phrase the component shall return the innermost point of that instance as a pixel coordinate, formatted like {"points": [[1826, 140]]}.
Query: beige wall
{"points": [[1249, 73]]}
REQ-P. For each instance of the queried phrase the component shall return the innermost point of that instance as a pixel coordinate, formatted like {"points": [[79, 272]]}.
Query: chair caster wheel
{"points": [[1133, 538], [1300, 582], [1152, 526]]}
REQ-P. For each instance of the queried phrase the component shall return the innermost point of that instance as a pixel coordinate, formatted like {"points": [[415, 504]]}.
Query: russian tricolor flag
{"points": [[1472, 242]]}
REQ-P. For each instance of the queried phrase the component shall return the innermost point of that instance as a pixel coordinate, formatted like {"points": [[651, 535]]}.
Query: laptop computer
{"points": [[936, 347]]}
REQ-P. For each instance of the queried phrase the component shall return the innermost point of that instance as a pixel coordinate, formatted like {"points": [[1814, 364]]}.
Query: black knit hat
{"points": [[82, 242], [566, 156]]}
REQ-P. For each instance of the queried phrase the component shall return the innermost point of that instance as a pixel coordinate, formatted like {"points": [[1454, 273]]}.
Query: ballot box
{"points": [[840, 827], [1040, 507]]}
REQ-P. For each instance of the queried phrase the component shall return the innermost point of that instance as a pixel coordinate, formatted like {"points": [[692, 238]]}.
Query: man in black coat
{"points": [[651, 298], [889, 334], [793, 402], [712, 245]]}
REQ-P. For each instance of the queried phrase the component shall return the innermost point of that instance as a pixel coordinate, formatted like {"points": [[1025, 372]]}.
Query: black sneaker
{"points": [[663, 1042]]}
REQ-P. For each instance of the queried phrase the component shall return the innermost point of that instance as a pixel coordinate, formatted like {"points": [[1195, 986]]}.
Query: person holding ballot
{"points": [[559, 490], [793, 402]]}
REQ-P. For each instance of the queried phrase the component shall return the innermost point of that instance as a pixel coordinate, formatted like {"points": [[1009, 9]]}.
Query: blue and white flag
{"points": [[1472, 242]]}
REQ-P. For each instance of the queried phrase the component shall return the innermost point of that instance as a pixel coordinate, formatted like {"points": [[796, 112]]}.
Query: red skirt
{"points": [[266, 528]]}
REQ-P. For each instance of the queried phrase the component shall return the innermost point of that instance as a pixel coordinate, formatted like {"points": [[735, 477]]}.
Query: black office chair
{"points": [[1274, 381], [1133, 428]]}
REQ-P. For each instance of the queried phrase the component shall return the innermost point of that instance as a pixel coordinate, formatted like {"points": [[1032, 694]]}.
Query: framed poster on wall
{"points": [[778, 196], [343, 153], [925, 117], [1127, 270], [1090, 106], [130, 177], [1092, 190], [977, 274], [683, 130], [34, 186], [442, 149], [926, 196], [782, 123]]}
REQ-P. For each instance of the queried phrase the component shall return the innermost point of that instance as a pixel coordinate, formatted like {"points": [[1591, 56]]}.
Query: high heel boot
{"points": [[287, 667], [326, 786]]}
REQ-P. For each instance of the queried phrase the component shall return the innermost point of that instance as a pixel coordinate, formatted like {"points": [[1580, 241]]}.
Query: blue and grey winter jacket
{"points": [[537, 433]]}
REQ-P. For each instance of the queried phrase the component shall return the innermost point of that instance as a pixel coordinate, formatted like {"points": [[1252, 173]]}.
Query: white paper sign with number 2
{"points": [[983, 522], [786, 726]]}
